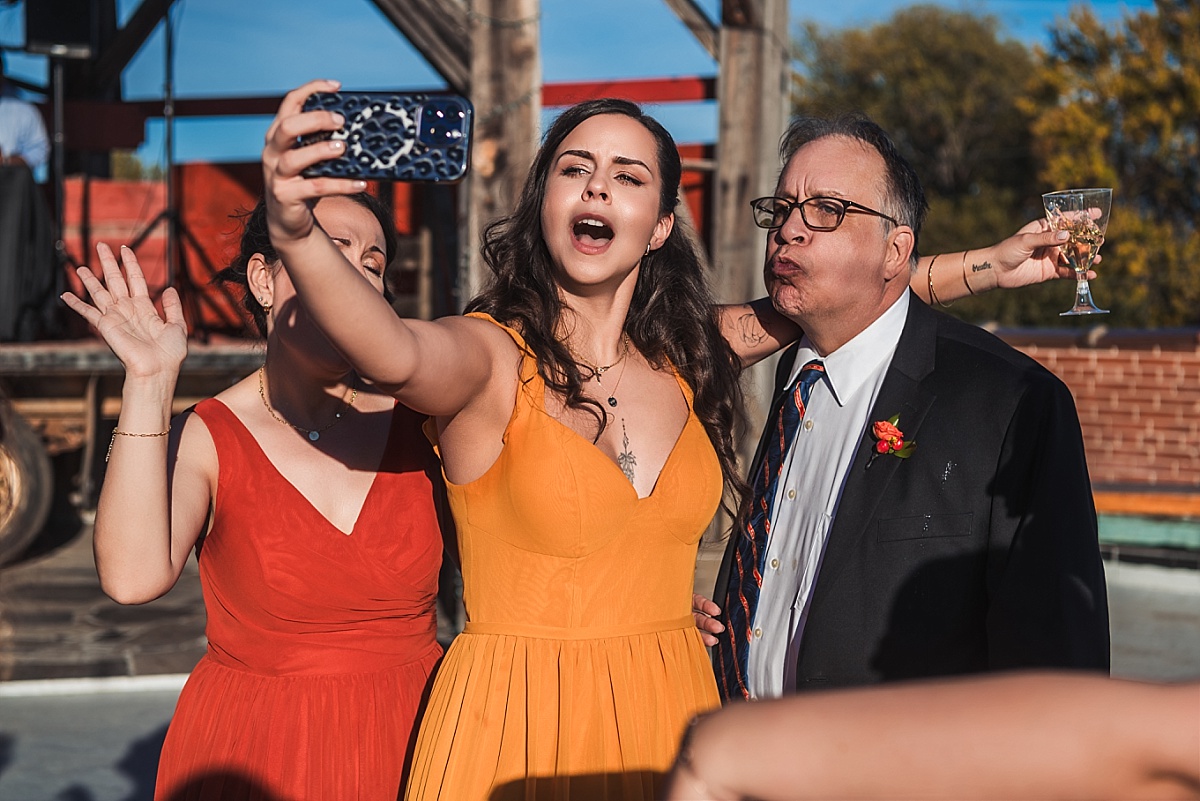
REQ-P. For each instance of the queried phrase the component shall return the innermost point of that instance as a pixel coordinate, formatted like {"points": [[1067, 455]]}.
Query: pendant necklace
{"points": [[612, 400], [599, 371], [313, 434]]}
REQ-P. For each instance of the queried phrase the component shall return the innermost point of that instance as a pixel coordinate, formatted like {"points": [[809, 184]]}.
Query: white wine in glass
{"points": [[1084, 213]]}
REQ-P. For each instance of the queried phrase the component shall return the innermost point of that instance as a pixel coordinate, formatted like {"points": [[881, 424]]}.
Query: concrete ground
{"points": [[84, 739], [89, 686]]}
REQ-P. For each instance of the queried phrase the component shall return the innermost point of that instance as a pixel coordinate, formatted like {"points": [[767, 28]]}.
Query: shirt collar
{"points": [[849, 367]]}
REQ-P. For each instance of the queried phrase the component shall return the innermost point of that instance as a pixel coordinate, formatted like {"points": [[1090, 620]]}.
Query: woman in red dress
{"points": [[309, 499]]}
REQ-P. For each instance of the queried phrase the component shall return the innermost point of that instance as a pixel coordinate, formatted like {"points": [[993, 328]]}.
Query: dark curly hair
{"points": [[672, 315], [257, 239]]}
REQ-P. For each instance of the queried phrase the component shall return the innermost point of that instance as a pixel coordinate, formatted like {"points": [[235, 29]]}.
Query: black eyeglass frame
{"points": [[846, 206]]}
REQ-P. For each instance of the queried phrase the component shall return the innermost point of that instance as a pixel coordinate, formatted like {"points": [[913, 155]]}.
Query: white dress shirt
{"points": [[22, 132], [810, 487]]}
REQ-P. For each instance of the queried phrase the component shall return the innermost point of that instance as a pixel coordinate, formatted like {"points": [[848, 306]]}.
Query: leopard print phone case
{"points": [[395, 136]]}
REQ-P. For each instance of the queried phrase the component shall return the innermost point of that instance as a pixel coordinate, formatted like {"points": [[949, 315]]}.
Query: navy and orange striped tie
{"points": [[745, 577]]}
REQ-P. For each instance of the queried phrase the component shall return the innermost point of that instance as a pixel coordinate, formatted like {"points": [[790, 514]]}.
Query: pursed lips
{"points": [[782, 267]]}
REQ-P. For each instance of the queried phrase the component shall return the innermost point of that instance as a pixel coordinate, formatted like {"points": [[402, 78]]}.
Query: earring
{"points": [[647, 253]]}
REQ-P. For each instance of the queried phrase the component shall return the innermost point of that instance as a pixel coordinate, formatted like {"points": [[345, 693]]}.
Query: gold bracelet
{"points": [[933, 295], [118, 433], [964, 272]]}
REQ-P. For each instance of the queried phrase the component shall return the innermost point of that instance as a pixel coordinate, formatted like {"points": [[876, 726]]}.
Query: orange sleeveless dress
{"points": [[580, 665], [320, 645]]}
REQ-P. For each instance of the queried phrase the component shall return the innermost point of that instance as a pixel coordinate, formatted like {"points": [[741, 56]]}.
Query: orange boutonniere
{"points": [[889, 440]]}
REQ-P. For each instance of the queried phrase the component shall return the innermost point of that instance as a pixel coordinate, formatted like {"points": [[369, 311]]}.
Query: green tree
{"points": [[1121, 108], [949, 89], [941, 82], [125, 165]]}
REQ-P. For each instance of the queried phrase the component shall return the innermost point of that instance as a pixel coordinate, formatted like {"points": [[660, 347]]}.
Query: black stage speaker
{"points": [[62, 28]]}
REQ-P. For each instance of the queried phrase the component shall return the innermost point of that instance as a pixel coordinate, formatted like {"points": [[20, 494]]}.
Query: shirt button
{"points": [[775, 563], [758, 633], [791, 495], [808, 424]]}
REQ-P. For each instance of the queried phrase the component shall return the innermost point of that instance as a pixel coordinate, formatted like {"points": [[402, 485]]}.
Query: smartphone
{"points": [[395, 136]]}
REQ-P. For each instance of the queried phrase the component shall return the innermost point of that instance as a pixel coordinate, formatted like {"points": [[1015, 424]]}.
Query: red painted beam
{"points": [[101, 125], [641, 90]]}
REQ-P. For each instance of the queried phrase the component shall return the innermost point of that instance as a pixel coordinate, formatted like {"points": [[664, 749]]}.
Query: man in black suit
{"points": [[921, 503]]}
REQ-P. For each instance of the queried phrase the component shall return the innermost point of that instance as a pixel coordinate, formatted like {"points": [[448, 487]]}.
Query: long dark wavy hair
{"points": [[257, 239], [672, 316]]}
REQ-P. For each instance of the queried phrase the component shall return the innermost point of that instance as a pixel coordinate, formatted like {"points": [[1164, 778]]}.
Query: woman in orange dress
{"points": [[308, 497], [584, 414]]}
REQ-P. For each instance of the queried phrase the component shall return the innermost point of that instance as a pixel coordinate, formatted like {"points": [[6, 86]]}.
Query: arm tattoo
{"points": [[751, 332], [625, 459], [983, 265]]}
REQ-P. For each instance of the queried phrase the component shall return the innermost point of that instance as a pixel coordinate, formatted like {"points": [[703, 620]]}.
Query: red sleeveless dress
{"points": [[320, 645]]}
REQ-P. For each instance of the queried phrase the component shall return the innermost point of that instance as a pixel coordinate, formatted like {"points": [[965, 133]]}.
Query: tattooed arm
{"points": [[755, 330]]}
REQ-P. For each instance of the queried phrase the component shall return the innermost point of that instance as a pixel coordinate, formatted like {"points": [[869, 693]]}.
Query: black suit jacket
{"points": [[979, 552]]}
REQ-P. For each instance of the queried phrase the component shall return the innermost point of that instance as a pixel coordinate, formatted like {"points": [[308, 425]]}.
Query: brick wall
{"points": [[1138, 396]]}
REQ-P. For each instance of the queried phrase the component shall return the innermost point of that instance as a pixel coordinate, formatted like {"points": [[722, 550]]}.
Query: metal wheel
{"points": [[26, 484]]}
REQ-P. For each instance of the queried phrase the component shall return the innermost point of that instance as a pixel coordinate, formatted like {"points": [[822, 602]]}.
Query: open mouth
{"points": [[592, 232]]}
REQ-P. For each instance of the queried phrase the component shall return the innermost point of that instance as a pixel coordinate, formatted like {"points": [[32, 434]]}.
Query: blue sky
{"points": [[265, 47]]}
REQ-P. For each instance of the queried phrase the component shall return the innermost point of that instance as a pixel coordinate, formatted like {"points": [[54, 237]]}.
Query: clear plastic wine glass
{"points": [[1084, 213]]}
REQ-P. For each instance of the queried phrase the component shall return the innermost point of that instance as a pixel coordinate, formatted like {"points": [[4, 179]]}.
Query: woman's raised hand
{"points": [[1031, 255], [288, 193], [146, 342]]}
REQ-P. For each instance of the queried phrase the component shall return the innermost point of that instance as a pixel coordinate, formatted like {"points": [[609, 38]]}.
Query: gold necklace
{"points": [[601, 370], [313, 434], [612, 400]]}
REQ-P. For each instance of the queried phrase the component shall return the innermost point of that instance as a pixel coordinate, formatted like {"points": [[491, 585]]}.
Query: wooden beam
{"points": [[752, 92], [506, 88], [648, 90], [100, 125], [1174, 504], [439, 30], [115, 57], [698, 23], [752, 96]]}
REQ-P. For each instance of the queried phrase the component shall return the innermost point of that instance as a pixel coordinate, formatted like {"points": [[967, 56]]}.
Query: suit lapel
{"points": [[867, 481]]}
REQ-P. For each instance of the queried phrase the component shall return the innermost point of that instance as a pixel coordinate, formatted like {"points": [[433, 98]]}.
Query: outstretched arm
{"points": [[1019, 736], [149, 515], [434, 367], [1030, 256]]}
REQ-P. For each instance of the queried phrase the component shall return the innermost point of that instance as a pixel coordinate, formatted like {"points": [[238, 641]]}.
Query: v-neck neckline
{"points": [[687, 399], [387, 447]]}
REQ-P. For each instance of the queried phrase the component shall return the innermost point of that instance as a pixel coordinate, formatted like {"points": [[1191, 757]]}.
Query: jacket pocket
{"points": [[923, 527]]}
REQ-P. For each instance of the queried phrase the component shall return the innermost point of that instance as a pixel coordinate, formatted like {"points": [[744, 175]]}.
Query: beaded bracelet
{"points": [[117, 433], [933, 295]]}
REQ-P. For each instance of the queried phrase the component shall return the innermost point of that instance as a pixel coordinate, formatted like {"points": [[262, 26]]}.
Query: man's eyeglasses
{"points": [[818, 213]]}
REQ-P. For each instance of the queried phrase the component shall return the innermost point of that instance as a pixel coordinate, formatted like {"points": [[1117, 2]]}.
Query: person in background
{"points": [[309, 499], [29, 280], [1019, 737], [23, 137]]}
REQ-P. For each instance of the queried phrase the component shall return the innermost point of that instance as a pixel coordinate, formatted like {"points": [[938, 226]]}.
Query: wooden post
{"points": [[752, 92], [506, 87]]}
